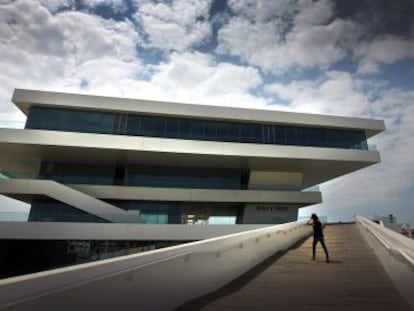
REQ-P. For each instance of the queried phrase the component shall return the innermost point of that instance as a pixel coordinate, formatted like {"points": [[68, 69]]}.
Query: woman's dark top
{"points": [[317, 229]]}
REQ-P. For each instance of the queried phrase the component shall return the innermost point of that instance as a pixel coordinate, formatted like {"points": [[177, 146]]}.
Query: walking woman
{"points": [[317, 236]]}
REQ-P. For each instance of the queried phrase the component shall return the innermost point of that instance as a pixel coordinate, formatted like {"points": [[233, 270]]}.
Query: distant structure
{"points": [[93, 159]]}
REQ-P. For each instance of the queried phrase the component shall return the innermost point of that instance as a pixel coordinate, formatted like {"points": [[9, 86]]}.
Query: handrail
{"points": [[240, 244], [75, 284], [390, 239], [50, 287]]}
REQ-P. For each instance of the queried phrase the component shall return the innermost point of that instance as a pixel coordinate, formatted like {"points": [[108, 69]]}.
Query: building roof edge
{"points": [[24, 98]]}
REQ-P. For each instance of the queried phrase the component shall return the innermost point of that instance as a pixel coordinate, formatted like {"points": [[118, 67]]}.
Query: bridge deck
{"points": [[353, 280]]}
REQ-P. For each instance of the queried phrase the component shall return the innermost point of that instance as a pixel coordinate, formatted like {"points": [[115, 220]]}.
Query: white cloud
{"points": [[184, 77], [314, 13], [44, 50], [30, 29], [262, 11], [386, 49], [336, 92], [77, 52], [176, 26], [90, 37], [116, 5], [196, 77], [102, 82], [300, 35]]}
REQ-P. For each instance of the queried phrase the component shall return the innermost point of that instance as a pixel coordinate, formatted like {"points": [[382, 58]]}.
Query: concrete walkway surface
{"points": [[353, 280]]}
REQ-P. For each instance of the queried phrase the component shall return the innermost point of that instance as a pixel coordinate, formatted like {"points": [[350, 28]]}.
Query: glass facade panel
{"points": [[210, 130], [78, 173], [144, 125], [152, 212], [159, 127], [257, 133], [42, 118], [222, 131], [47, 209], [142, 175], [70, 120], [234, 132], [171, 128], [184, 126], [133, 126], [147, 126], [197, 129], [182, 177], [99, 122]]}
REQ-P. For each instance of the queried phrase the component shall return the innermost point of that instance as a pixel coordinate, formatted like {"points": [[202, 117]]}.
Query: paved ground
{"points": [[353, 280]]}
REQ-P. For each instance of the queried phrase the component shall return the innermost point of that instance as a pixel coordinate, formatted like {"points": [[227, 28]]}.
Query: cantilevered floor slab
{"points": [[353, 280]]}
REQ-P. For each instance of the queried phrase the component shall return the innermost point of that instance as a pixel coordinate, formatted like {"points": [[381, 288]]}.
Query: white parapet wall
{"points": [[156, 280], [68, 195], [396, 253]]}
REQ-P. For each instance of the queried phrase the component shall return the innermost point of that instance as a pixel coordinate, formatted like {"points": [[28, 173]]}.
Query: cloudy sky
{"points": [[351, 58]]}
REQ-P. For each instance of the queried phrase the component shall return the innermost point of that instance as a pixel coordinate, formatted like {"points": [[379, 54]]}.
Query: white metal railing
{"points": [[390, 239], [155, 280]]}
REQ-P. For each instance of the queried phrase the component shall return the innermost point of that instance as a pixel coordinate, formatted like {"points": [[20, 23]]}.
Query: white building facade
{"points": [[91, 159]]}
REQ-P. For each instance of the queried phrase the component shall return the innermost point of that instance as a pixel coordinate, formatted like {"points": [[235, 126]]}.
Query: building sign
{"points": [[269, 213], [272, 208]]}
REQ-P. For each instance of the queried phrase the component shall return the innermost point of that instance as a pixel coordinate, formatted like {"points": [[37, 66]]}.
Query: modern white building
{"points": [[100, 159], [101, 168]]}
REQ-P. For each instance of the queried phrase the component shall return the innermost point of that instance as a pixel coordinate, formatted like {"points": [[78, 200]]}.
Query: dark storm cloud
{"points": [[380, 16]]}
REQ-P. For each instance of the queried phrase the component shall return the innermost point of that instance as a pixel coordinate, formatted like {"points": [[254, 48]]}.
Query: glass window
{"points": [[78, 173], [70, 120], [312, 135], [153, 211], [155, 218], [197, 129], [147, 126], [290, 136], [184, 126], [210, 130], [41, 118], [133, 125], [234, 132], [98, 122], [47, 209], [123, 124], [183, 177], [280, 135], [323, 140], [245, 133], [171, 127], [130, 124], [257, 133], [269, 134], [301, 136], [159, 127], [222, 131]]}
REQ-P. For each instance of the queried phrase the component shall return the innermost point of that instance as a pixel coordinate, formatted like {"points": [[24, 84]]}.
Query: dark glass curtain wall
{"points": [[142, 175], [169, 127]]}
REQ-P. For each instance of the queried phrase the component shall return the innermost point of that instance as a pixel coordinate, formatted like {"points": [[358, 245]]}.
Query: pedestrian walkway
{"points": [[353, 280]]}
